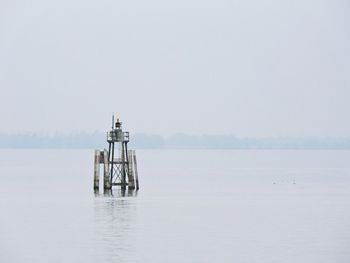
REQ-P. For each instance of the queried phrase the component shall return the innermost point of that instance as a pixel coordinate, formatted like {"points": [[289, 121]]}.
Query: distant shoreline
{"points": [[177, 141]]}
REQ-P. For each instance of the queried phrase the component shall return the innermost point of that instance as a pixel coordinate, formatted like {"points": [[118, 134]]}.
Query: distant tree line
{"points": [[178, 141]]}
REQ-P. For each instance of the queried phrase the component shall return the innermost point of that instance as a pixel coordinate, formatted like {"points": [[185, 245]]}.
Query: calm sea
{"points": [[193, 206]]}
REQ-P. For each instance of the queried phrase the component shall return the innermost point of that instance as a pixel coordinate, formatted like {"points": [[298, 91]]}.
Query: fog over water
{"points": [[186, 74], [250, 68]]}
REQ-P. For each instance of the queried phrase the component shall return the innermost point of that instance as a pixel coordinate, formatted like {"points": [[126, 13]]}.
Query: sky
{"points": [[249, 68]]}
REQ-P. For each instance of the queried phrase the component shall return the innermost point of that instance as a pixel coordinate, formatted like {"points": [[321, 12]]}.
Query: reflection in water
{"points": [[117, 193], [120, 193], [114, 232]]}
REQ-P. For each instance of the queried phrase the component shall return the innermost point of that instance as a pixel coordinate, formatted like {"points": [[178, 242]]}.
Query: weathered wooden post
{"points": [[131, 183], [106, 176], [136, 173], [97, 170]]}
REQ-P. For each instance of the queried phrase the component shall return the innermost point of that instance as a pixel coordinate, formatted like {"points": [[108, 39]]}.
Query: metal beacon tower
{"points": [[119, 163]]}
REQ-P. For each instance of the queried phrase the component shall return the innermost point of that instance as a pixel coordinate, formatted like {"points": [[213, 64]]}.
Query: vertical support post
{"points": [[123, 172], [97, 171], [136, 173], [131, 181], [127, 159], [111, 162], [109, 151], [106, 181]]}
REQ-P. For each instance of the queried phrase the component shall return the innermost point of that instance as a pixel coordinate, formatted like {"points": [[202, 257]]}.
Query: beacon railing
{"points": [[118, 136]]}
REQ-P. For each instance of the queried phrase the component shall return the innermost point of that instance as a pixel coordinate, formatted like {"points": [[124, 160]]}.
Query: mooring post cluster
{"points": [[119, 164]]}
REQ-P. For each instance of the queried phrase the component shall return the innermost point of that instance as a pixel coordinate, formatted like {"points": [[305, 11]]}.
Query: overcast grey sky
{"points": [[250, 68]]}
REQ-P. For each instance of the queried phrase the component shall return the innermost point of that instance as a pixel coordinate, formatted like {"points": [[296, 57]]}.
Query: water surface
{"points": [[193, 206]]}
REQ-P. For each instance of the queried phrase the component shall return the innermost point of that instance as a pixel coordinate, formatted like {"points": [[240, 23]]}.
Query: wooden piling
{"points": [[106, 176], [97, 170], [131, 179], [135, 168]]}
